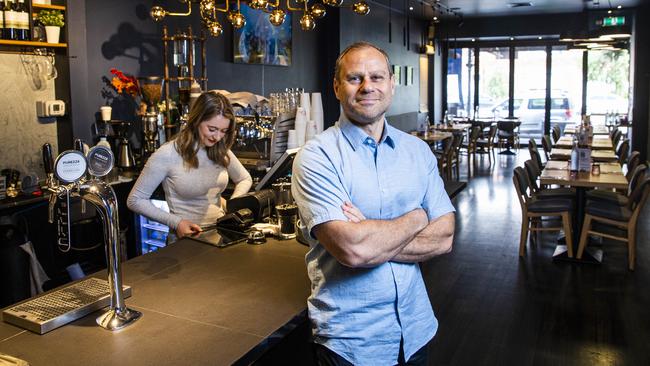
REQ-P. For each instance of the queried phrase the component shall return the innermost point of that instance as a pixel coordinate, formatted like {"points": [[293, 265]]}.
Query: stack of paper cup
{"points": [[317, 111], [292, 141], [311, 130], [300, 125], [305, 103]]}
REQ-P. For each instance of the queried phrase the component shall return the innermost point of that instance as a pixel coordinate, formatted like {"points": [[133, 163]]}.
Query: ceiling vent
{"points": [[520, 4]]}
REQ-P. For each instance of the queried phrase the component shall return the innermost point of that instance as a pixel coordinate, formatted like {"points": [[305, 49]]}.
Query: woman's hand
{"points": [[352, 213], [187, 228]]}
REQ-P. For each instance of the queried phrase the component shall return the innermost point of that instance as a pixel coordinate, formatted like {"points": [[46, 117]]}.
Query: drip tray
{"points": [[56, 308]]}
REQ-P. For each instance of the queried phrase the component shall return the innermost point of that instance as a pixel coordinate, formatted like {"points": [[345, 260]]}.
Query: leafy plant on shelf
{"points": [[51, 18]]}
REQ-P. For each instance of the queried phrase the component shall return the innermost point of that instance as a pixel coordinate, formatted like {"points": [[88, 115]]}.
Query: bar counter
{"points": [[201, 305]]}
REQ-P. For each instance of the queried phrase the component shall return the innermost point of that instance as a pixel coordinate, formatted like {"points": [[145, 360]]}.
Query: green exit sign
{"points": [[613, 21]]}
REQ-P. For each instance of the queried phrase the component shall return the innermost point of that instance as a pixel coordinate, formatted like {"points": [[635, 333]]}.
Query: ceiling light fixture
{"points": [[208, 12]]}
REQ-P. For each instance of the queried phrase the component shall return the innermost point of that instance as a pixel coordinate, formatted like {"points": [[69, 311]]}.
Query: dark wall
{"points": [[120, 34], [402, 51]]}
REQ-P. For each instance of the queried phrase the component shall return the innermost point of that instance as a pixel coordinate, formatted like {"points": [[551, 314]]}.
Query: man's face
{"points": [[364, 86]]}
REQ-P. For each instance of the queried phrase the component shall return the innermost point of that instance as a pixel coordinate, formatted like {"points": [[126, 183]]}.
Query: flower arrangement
{"points": [[51, 18], [124, 84], [121, 91]]}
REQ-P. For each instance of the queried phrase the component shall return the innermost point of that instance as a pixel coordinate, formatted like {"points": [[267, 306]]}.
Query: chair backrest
{"points": [[623, 151], [458, 140], [639, 196], [617, 137], [534, 153], [556, 133], [547, 145], [533, 173], [632, 161], [474, 134], [507, 126], [612, 132], [521, 185], [637, 176]]}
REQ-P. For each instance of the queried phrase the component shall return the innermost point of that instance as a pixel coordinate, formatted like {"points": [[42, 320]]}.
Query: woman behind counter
{"points": [[194, 169]]}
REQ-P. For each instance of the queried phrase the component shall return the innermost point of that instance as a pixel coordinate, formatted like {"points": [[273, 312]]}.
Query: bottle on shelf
{"points": [[22, 21], [10, 30]]}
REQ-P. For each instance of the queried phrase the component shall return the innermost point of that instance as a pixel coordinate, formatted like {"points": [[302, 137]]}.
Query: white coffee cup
{"points": [[106, 112]]}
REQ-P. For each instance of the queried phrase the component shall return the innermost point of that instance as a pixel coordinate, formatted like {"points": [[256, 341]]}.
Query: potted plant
{"points": [[53, 21]]}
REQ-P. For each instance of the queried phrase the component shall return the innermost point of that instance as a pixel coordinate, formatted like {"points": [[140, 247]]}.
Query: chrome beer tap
{"points": [[66, 178]]}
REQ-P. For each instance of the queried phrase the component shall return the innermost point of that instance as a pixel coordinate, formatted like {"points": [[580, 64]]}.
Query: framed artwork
{"points": [[397, 73], [409, 75], [260, 42]]}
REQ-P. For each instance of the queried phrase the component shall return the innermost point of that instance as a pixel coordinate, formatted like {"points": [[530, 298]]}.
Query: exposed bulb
{"points": [[307, 22], [207, 5], [361, 8], [335, 3], [238, 20], [258, 4], [277, 17], [318, 10], [215, 28], [157, 13]]}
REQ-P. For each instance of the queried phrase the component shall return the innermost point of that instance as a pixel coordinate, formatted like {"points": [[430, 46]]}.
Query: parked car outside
{"points": [[530, 108]]}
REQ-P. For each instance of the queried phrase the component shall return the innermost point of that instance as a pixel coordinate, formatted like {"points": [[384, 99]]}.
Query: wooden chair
{"points": [[474, 134], [486, 145], [455, 160], [617, 137], [533, 173], [547, 145], [556, 133], [632, 161], [534, 209], [507, 134], [534, 153], [444, 156], [620, 217], [618, 198], [623, 151]]}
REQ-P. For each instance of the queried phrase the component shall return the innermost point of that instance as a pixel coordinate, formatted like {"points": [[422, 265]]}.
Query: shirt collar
{"points": [[356, 136]]}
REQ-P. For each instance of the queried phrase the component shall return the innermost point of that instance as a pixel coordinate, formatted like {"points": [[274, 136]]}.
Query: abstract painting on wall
{"points": [[260, 42]]}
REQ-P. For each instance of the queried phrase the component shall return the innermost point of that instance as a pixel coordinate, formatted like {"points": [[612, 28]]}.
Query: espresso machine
{"points": [[151, 92]]}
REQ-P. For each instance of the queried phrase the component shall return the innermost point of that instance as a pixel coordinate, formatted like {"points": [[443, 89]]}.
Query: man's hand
{"points": [[351, 212], [187, 228]]}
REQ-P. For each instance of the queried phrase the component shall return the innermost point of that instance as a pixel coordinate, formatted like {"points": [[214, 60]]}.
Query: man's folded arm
{"points": [[435, 239], [370, 242]]}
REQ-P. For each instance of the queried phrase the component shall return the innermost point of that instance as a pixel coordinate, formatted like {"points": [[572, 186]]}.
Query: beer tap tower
{"points": [[66, 177]]}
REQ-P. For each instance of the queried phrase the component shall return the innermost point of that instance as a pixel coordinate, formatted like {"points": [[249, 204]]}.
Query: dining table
{"points": [[454, 127], [597, 129], [434, 136], [599, 142], [599, 156], [557, 172]]}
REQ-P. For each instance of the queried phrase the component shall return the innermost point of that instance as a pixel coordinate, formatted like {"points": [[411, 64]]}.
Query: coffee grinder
{"points": [[151, 92]]}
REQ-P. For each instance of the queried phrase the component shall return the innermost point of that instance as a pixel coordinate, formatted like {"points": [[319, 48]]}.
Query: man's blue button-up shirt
{"points": [[363, 313]]}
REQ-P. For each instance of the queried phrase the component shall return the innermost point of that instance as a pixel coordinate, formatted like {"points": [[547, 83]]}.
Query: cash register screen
{"points": [[280, 169]]}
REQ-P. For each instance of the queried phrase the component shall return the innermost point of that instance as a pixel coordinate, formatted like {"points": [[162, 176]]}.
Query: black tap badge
{"points": [[100, 160]]}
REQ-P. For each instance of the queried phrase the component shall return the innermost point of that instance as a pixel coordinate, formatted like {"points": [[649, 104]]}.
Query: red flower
{"points": [[124, 83]]}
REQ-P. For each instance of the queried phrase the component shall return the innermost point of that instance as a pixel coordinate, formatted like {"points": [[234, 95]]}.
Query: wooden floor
{"points": [[496, 308]]}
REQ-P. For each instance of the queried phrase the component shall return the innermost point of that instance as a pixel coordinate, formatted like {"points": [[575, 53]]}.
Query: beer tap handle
{"points": [[48, 159], [79, 145]]}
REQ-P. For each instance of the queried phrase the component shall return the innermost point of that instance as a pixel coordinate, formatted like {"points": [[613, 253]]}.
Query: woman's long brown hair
{"points": [[188, 142]]}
